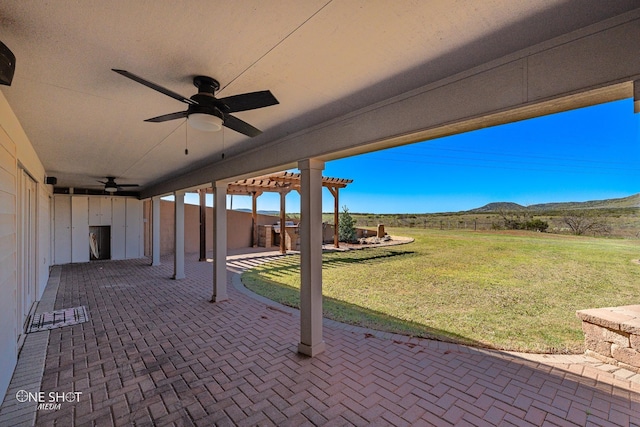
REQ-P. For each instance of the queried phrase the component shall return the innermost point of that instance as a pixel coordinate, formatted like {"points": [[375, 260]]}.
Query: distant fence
{"points": [[620, 230], [431, 224]]}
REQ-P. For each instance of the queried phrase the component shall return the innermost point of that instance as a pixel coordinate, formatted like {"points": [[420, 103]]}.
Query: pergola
{"points": [[282, 183]]}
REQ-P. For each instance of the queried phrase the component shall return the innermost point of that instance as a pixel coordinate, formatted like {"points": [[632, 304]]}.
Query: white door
{"points": [[27, 244], [94, 211], [62, 229], [118, 228], [80, 229], [105, 210]]}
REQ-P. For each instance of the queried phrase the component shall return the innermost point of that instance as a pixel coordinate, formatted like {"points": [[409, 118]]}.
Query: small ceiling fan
{"points": [[110, 185], [205, 111]]}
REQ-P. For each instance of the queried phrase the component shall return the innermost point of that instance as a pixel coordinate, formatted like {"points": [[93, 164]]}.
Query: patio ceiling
{"points": [[320, 58]]}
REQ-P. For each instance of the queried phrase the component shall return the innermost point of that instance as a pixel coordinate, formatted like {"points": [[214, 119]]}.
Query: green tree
{"points": [[347, 227]]}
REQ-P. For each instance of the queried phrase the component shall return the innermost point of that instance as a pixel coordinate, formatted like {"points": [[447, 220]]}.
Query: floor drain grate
{"points": [[58, 319]]}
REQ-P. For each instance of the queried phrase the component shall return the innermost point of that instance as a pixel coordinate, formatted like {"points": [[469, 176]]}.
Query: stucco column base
{"points": [[312, 350], [219, 298]]}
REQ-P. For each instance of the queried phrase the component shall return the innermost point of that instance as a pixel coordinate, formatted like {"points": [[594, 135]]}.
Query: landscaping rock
{"points": [[601, 347], [625, 355], [634, 341], [599, 333]]}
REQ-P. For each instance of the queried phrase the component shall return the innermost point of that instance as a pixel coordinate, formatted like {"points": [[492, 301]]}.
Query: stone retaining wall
{"points": [[613, 335]]}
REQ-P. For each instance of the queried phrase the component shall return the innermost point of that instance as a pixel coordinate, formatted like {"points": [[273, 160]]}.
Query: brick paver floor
{"points": [[157, 352]]}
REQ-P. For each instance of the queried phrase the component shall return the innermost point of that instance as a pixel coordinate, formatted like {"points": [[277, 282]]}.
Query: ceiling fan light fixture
{"points": [[110, 188], [205, 122], [205, 111]]}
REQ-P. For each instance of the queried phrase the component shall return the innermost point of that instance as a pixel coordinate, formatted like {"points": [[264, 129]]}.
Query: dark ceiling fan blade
{"points": [[128, 185], [157, 87], [166, 117], [240, 126], [249, 101]]}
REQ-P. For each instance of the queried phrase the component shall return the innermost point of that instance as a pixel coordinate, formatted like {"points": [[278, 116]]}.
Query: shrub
{"points": [[536, 225]]}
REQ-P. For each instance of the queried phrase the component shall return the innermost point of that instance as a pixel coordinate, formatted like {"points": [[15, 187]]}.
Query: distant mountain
{"points": [[625, 202], [499, 206]]}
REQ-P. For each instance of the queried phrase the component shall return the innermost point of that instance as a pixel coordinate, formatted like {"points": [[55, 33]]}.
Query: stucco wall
{"points": [[238, 228]]}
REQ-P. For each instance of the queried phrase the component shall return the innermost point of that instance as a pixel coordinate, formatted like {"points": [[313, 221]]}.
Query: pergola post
{"points": [[336, 216], [155, 230], [254, 217], [178, 253], [283, 217], [311, 342], [203, 223], [219, 242]]}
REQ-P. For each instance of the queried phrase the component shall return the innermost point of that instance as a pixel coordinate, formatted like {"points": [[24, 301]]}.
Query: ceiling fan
{"points": [[110, 185], [205, 111]]}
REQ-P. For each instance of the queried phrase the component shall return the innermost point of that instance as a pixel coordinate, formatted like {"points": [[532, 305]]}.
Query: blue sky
{"points": [[586, 154]]}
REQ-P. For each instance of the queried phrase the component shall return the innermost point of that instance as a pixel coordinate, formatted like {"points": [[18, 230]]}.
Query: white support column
{"points": [[311, 342], [155, 230], [203, 224], [178, 257], [219, 242]]}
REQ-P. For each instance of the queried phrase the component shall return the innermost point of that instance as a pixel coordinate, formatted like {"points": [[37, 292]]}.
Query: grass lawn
{"points": [[506, 290]]}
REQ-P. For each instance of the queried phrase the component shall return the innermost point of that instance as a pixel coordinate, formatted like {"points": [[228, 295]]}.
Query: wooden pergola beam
{"points": [[290, 177]]}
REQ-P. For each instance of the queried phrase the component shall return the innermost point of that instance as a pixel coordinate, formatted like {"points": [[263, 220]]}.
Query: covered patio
{"points": [[280, 85], [156, 352]]}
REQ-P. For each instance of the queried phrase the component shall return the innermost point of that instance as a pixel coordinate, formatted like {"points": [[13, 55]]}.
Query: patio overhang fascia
{"points": [[592, 65]]}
